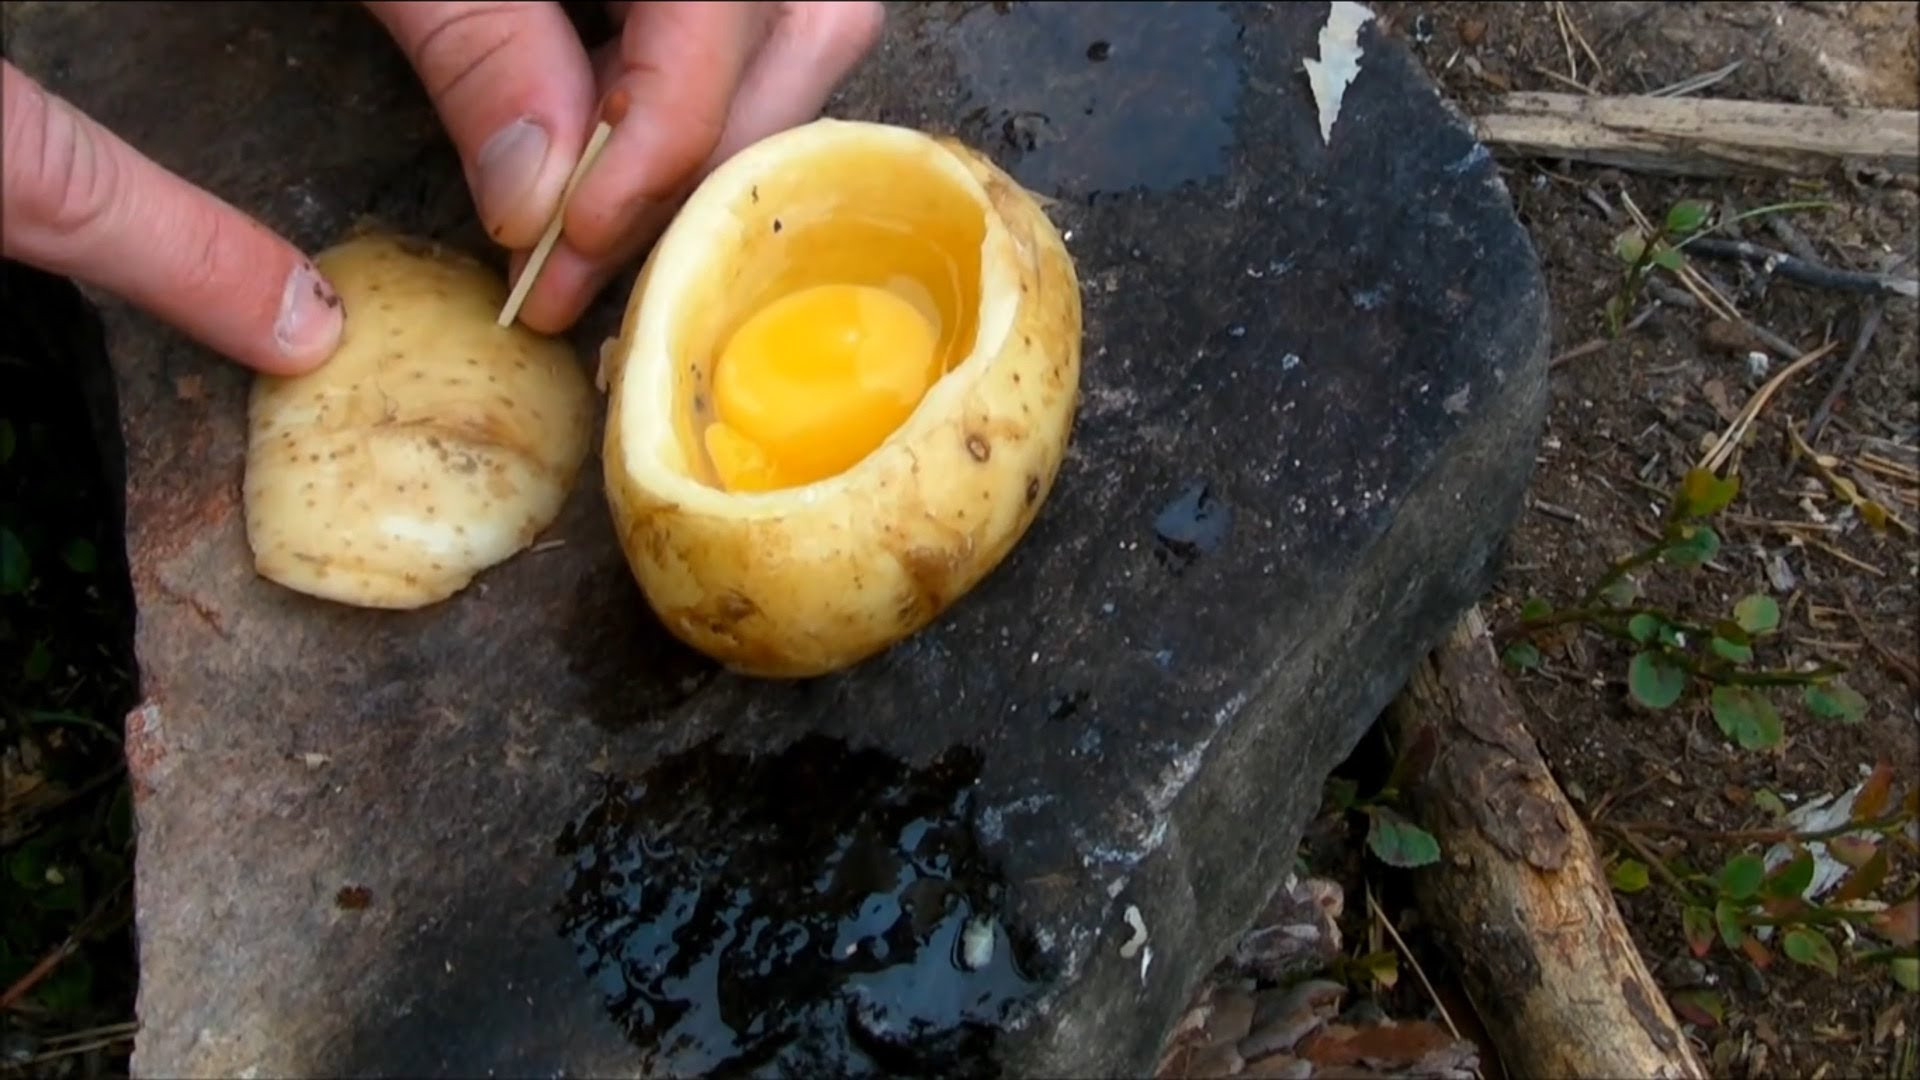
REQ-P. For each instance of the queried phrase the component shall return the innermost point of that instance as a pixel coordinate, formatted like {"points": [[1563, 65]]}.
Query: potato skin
{"points": [[821, 586], [432, 445]]}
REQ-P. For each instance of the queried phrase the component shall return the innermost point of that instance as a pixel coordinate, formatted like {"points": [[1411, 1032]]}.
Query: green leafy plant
{"points": [[1392, 837], [1685, 222], [1672, 652], [1753, 909]]}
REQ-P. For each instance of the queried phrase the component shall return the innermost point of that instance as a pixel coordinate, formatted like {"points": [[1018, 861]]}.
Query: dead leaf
{"points": [[1222, 1060], [1716, 394], [1389, 1045], [1730, 337], [1230, 1017]]}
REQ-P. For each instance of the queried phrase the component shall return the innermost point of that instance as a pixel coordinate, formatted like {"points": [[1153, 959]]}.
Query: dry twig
{"points": [[1869, 323], [1794, 268], [1730, 438]]}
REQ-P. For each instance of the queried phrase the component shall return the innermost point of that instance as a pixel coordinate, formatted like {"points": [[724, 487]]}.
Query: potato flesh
{"points": [[802, 582], [433, 445]]}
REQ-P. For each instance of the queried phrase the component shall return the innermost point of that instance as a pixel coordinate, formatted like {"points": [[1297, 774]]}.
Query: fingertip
{"points": [[310, 325]]}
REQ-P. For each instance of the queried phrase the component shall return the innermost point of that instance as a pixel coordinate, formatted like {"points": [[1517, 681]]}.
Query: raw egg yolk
{"points": [[814, 381]]}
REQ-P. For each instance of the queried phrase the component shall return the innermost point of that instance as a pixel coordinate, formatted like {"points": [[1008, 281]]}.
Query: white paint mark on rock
{"points": [[1133, 944], [1339, 61]]}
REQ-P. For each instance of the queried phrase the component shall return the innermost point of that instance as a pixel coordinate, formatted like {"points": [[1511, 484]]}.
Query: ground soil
{"points": [[1628, 416]]}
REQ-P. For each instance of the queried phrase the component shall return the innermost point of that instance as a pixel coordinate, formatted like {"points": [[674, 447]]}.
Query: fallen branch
{"points": [[1806, 273], [1700, 136], [1519, 897]]}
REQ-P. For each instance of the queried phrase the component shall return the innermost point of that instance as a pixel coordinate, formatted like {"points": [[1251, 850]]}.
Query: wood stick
{"points": [[531, 272], [1519, 897], [1794, 268], [1699, 136]]}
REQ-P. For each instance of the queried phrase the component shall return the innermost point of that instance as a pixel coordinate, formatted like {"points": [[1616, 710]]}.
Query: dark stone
{"points": [[561, 830]]}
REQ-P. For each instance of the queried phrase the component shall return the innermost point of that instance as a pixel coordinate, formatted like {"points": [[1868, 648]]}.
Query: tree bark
{"points": [[1699, 136], [1519, 897]]}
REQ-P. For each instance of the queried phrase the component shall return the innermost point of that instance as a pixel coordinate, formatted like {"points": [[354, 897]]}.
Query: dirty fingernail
{"points": [[309, 323], [507, 167]]}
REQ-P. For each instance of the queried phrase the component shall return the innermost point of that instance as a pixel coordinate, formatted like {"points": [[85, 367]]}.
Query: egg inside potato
{"points": [[432, 445], [842, 390]]}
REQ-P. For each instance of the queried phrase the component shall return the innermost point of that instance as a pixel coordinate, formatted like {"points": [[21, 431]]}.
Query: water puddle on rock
{"points": [[814, 911], [1194, 523], [1084, 99]]}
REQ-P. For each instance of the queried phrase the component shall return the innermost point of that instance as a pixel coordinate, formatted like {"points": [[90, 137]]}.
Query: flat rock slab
{"points": [[524, 833]]}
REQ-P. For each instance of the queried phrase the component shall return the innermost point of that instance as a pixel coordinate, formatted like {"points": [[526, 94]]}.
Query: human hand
{"points": [[702, 79], [519, 95], [77, 200]]}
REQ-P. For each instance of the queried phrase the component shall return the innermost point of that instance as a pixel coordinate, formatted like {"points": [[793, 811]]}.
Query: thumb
{"points": [[81, 202], [514, 89]]}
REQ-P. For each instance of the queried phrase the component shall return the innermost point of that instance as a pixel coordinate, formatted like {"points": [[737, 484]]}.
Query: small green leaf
{"points": [[38, 664], [79, 555], [1791, 878], [1621, 592], [1342, 792], [1629, 246], [1757, 614], [69, 987], [1398, 842], [1643, 627], [27, 866], [1733, 926], [1836, 701], [1905, 971], [8, 440], [1694, 546], [1732, 631], [1746, 716], [1667, 258], [1534, 609], [1654, 680], [1804, 946], [15, 568], [1630, 876], [1697, 923], [1702, 1007], [1522, 656], [1740, 878], [1686, 216], [1616, 312], [1727, 650], [1771, 803], [1702, 493]]}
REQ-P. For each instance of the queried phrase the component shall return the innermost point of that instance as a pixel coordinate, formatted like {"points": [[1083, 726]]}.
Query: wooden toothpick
{"points": [[610, 114]]}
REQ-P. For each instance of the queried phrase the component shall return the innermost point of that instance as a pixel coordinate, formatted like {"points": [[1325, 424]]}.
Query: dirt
{"points": [[1630, 415]]}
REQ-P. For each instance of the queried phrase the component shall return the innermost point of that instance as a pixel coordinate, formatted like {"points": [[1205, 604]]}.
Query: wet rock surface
{"points": [[524, 833]]}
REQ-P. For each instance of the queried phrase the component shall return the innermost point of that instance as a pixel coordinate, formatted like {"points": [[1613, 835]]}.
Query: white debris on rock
{"points": [[1339, 61]]}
